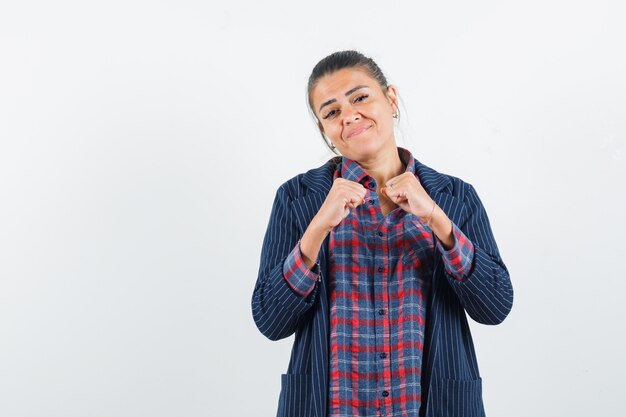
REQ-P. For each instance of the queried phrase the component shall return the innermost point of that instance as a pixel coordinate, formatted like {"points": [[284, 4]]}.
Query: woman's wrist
{"points": [[311, 242], [441, 226]]}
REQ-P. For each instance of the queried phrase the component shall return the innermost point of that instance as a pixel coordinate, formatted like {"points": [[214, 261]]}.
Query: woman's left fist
{"points": [[407, 192]]}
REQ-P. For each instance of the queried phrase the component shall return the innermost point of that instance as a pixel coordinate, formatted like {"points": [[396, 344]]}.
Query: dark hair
{"points": [[338, 61]]}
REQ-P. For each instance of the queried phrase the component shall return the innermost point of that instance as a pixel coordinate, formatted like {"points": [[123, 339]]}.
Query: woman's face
{"points": [[354, 113]]}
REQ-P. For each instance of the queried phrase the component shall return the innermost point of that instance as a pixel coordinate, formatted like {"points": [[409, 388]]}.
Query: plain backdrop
{"points": [[142, 143]]}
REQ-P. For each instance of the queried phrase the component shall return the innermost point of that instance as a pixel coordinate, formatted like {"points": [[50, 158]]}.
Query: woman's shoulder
{"points": [[435, 181], [317, 179]]}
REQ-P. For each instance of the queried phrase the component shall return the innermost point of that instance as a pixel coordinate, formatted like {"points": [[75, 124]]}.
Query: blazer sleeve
{"points": [[486, 293], [277, 308]]}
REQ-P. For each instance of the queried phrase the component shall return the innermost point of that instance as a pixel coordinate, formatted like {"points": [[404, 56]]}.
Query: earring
{"points": [[395, 115]]}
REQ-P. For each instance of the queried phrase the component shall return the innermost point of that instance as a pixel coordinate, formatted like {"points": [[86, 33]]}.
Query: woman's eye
{"points": [[330, 114], [361, 98]]}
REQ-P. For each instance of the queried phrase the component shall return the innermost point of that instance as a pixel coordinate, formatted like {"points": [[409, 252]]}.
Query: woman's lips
{"points": [[358, 131]]}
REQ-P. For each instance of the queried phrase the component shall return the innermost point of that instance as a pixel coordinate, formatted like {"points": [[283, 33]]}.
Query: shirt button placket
{"points": [[381, 312]]}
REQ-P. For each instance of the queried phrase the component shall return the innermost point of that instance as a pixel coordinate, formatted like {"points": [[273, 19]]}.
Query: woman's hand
{"points": [[343, 195], [406, 191]]}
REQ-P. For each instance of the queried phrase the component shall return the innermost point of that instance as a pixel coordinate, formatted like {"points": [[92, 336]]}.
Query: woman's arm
{"points": [[279, 304], [287, 287], [486, 292]]}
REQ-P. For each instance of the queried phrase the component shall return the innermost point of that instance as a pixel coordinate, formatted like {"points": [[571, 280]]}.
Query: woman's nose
{"points": [[350, 115]]}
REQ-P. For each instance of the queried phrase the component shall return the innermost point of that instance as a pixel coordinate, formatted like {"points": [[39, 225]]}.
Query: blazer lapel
{"points": [[440, 189], [316, 185]]}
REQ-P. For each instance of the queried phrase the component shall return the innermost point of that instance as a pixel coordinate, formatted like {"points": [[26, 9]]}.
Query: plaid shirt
{"points": [[379, 274]]}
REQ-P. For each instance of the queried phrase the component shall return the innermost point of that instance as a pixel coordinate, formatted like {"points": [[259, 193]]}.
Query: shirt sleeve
{"points": [[458, 260], [300, 278]]}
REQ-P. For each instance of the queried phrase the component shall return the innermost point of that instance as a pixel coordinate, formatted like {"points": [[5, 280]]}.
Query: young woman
{"points": [[372, 260]]}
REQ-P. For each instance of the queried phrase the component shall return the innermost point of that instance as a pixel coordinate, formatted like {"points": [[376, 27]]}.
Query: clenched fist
{"points": [[406, 191], [343, 195]]}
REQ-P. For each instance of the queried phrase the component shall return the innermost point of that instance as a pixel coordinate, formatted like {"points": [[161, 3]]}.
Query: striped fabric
{"points": [[288, 298]]}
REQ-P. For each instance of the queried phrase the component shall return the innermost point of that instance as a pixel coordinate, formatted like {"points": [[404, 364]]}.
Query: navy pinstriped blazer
{"points": [[451, 383]]}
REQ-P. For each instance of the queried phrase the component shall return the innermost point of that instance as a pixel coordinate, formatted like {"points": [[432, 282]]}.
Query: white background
{"points": [[142, 143]]}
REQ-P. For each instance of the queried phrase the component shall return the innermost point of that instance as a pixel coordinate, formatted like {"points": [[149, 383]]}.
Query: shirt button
{"points": [[385, 393], [371, 201], [383, 355], [381, 312], [380, 233], [381, 269]]}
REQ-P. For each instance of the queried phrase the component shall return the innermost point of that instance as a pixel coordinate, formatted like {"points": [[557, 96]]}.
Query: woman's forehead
{"points": [[331, 86]]}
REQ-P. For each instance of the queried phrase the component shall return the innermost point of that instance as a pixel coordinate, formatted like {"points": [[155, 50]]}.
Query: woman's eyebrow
{"points": [[332, 100]]}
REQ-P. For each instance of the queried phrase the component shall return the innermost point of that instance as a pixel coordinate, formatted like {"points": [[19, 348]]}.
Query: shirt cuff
{"points": [[300, 278], [458, 260]]}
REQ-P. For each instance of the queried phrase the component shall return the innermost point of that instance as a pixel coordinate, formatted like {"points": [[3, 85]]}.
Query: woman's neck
{"points": [[385, 167]]}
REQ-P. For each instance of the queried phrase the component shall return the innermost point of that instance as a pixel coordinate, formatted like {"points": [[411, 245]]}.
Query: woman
{"points": [[372, 261]]}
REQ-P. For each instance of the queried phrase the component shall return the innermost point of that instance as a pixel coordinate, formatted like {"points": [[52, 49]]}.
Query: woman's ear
{"points": [[392, 96]]}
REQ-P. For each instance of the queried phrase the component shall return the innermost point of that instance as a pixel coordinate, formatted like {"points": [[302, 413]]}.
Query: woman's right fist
{"points": [[343, 195]]}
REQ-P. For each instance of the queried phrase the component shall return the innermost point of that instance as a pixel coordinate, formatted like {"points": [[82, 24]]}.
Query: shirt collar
{"points": [[351, 170]]}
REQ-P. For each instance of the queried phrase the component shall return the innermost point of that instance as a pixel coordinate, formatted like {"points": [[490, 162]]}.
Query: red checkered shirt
{"points": [[380, 266]]}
